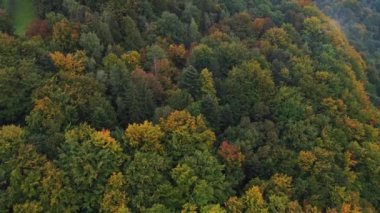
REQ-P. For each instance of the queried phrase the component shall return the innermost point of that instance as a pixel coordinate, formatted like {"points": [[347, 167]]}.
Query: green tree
{"points": [[204, 57], [17, 84], [190, 81], [85, 180], [207, 84], [248, 87], [170, 25], [91, 44]]}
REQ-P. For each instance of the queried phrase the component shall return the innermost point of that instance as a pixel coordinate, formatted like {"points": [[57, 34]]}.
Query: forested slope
{"points": [[361, 22], [185, 105]]}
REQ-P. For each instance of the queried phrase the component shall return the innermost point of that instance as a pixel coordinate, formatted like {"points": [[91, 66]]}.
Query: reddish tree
{"points": [[230, 153], [139, 76], [38, 28]]}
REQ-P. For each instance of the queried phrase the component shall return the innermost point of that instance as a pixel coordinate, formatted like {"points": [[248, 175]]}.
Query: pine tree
{"points": [[190, 81]]}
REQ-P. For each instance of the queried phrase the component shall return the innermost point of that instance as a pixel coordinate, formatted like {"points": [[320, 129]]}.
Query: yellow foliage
{"points": [[145, 136], [28, 207], [104, 140], [132, 59], [181, 120], [283, 183], [178, 51], [11, 133], [52, 185], [115, 199], [234, 205], [73, 63], [254, 200], [46, 111], [277, 36], [306, 160], [207, 83], [322, 75], [336, 107], [182, 123], [189, 208], [218, 35], [65, 33]]}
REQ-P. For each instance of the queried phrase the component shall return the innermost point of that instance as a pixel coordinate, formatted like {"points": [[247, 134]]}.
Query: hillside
{"points": [[360, 21], [185, 106]]}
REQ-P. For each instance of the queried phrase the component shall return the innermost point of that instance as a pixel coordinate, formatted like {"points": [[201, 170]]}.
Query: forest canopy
{"points": [[207, 106]]}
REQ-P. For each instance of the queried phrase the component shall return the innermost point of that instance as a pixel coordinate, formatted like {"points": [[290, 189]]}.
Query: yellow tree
{"points": [[207, 84]]}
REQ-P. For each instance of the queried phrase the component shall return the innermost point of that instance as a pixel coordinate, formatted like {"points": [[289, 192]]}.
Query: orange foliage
{"points": [[349, 208], [74, 63], [355, 128], [304, 3], [349, 159], [261, 24], [66, 34], [230, 153], [177, 51], [104, 140], [306, 160]]}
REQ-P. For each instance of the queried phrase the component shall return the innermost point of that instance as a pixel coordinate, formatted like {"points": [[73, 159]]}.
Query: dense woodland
{"points": [[361, 22], [207, 106]]}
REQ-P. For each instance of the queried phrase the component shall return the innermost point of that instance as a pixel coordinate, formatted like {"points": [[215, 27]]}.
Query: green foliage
{"points": [[188, 106], [91, 44], [170, 25], [190, 80], [247, 88], [100, 156], [17, 85]]}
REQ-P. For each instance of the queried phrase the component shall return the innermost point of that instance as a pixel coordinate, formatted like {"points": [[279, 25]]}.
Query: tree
{"points": [[103, 156], [70, 63], [144, 176], [17, 84], [190, 81], [131, 37], [246, 87], [91, 44], [114, 197], [145, 137], [187, 134], [5, 22], [193, 32], [65, 34], [26, 174], [207, 84], [38, 28], [45, 6], [204, 57], [170, 25]]}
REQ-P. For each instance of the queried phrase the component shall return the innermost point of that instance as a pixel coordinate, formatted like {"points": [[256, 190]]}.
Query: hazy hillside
{"points": [[361, 22], [204, 106]]}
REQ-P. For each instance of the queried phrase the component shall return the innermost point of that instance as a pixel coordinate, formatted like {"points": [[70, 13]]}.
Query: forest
{"points": [[360, 20], [209, 106]]}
